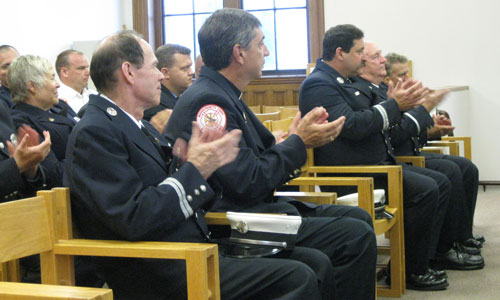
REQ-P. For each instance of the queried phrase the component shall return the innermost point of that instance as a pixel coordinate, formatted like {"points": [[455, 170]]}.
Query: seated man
{"points": [[174, 62], [404, 137], [364, 141], [464, 174], [214, 101], [7, 55], [72, 67], [126, 185]]}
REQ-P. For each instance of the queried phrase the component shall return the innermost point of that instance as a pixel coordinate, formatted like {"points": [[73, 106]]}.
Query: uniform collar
{"points": [[323, 66], [220, 79], [138, 123], [165, 89]]}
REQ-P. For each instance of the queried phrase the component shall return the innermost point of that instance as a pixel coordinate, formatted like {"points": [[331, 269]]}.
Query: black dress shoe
{"points": [[479, 238], [472, 243], [455, 259], [469, 250], [425, 282], [439, 274]]}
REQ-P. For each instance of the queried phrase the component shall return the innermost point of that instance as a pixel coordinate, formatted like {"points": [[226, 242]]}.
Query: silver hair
{"points": [[24, 69], [392, 59]]}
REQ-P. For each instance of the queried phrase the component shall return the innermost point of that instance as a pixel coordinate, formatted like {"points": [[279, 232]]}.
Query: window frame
{"points": [[316, 27]]}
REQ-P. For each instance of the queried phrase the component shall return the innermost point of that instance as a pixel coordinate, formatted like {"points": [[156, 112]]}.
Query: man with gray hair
{"points": [[464, 175], [7, 55], [174, 62], [72, 67], [126, 184], [232, 45]]}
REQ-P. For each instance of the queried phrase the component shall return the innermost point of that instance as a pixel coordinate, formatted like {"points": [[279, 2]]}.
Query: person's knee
{"points": [[424, 195], [362, 236], [301, 281], [363, 215]]}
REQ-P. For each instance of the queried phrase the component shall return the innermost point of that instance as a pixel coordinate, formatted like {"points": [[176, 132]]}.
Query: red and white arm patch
{"points": [[211, 117]]}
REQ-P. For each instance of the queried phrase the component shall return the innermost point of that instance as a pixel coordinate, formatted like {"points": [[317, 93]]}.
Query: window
{"points": [[183, 20], [284, 23], [293, 29]]}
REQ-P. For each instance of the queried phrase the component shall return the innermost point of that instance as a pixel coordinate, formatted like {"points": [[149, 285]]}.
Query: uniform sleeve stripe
{"points": [[414, 120], [181, 194], [383, 113]]}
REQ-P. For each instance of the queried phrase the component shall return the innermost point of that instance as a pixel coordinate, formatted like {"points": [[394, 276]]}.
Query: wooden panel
{"points": [[23, 228], [316, 28], [277, 91], [140, 18]]}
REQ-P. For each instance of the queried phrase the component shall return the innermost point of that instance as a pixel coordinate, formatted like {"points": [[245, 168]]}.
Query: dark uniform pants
{"points": [[424, 211], [464, 177], [345, 234]]}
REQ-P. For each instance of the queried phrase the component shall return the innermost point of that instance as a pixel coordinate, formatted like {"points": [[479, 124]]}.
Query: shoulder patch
{"points": [[211, 117]]}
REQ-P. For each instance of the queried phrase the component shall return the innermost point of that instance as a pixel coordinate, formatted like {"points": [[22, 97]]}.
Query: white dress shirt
{"points": [[73, 98]]}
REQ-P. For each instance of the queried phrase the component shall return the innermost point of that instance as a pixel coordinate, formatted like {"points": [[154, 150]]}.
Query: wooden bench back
{"points": [[25, 228]]}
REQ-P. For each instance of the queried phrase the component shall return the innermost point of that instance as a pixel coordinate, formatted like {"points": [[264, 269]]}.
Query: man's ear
{"points": [[63, 73], [339, 54], [165, 73], [238, 54], [127, 70]]}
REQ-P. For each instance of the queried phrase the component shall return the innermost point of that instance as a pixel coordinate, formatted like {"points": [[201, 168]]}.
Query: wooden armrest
{"points": [[219, 218], [202, 260], [16, 290], [394, 182], [467, 144], [364, 184], [417, 161], [164, 250], [436, 150], [216, 218], [315, 197], [453, 146]]}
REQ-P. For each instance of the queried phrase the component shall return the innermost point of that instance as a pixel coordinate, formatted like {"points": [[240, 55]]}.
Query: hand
{"points": [[314, 129], [441, 120], [408, 94], [279, 136], [434, 98], [210, 149], [160, 119], [29, 152], [442, 126]]}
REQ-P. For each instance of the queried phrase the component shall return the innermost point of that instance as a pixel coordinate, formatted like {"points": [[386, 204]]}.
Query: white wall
{"points": [[450, 43], [48, 27]]}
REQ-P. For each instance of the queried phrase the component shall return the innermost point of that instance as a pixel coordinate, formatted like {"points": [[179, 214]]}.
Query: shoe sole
{"points": [[481, 240], [439, 287], [462, 268]]}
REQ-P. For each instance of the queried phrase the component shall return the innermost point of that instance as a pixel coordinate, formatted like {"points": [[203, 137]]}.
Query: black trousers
{"points": [[464, 177], [445, 226], [334, 258], [345, 234], [425, 204], [293, 277]]}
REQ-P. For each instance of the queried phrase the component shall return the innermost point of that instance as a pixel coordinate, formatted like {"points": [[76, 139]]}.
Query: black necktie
{"points": [[155, 142]]}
